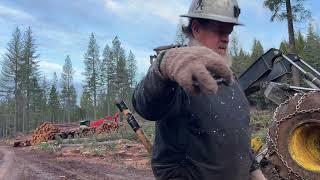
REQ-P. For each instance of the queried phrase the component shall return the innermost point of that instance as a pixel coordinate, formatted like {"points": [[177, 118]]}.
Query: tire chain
{"points": [[278, 122]]}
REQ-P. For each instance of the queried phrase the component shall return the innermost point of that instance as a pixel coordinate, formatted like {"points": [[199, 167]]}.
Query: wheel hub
{"points": [[304, 146]]}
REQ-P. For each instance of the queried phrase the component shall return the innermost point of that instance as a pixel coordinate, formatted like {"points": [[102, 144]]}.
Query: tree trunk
{"points": [[68, 99], [292, 47], [15, 119], [68, 116], [23, 119]]}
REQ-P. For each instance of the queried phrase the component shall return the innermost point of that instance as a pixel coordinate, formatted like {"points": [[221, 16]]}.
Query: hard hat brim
{"points": [[212, 17]]}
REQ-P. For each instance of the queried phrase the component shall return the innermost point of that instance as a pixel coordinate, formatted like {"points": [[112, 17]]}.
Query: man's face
{"points": [[214, 35]]}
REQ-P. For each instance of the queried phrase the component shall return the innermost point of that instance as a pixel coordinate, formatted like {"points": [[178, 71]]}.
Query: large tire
{"points": [[297, 138]]}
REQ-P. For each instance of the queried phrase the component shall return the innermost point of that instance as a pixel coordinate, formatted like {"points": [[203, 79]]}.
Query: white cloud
{"points": [[113, 5], [78, 74], [48, 68], [14, 13], [141, 9]]}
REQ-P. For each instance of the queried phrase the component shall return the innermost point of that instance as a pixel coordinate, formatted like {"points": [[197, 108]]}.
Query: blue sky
{"points": [[63, 27]]}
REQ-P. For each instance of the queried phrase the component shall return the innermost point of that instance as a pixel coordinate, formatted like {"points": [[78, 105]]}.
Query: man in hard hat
{"points": [[201, 113]]}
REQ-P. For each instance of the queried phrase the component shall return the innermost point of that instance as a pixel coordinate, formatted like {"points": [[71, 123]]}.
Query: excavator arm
{"points": [[267, 71], [268, 67]]}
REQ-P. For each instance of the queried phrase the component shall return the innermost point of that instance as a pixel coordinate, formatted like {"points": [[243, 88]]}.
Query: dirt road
{"points": [[7, 164], [27, 163]]}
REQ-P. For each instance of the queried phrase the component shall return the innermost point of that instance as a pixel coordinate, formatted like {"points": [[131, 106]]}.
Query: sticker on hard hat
{"points": [[200, 5], [237, 11]]}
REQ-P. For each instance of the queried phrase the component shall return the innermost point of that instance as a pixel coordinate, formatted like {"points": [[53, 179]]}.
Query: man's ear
{"points": [[195, 26]]}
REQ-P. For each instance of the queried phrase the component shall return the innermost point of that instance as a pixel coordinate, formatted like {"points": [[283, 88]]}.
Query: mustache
{"points": [[223, 46]]}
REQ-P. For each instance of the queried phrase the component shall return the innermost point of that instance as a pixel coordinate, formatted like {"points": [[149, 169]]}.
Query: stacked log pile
{"points": [[49, 131], [107, 126], [45, 132]]}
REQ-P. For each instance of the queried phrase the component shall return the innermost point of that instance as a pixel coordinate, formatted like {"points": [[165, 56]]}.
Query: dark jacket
{"points": [[197, 137]]}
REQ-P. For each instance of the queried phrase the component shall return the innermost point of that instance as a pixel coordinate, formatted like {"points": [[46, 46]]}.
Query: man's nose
{"points": [[224, 37]]}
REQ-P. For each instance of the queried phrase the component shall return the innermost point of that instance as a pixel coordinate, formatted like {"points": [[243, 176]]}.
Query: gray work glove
{"points": [[196, 63]]}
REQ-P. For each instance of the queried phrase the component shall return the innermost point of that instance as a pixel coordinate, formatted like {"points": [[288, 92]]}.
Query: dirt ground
{"points": [[30, 163], [125, 161]]}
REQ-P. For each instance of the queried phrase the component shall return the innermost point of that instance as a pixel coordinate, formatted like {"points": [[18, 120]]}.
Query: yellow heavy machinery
{"points": [[293, 140]]}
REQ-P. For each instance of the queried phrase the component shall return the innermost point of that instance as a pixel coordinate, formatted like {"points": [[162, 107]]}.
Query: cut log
{"points": [[22, 141]]}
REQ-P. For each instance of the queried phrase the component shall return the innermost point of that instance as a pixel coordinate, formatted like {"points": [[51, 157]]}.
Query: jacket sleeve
{"points": [[254, 163], [154, 97]]}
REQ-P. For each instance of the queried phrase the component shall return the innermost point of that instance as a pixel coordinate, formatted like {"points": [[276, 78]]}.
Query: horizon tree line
{"points": [[28, 99]]}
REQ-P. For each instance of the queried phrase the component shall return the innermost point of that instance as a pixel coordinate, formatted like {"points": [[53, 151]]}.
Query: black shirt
{"points": [[197, 137]]}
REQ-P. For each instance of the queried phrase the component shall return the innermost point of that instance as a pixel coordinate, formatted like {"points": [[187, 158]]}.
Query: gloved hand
{"points": [[257, 175], [189, 64]]}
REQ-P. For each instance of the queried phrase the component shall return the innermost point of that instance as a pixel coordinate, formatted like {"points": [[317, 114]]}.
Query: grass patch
{"points": [[260, 121], [98, 151], [44, 146]]}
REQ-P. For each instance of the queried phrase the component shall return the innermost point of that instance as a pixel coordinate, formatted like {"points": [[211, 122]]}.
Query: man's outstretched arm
{"points": [[154, 94], [158, 93]]}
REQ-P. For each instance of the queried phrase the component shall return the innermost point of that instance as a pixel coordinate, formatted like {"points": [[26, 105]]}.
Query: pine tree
{"points": [[284, 47], [292, 11], [11, 75], [86, 104], [257, 50], [104, 66], [311, 50], [132, 70], [241, 62], [68, 93], [108, 77], [36, 103], [122, 82], [45, 92], [92, 74], [30, 72], [54, 100], [7, 111], [234, 45], [300, 44]]}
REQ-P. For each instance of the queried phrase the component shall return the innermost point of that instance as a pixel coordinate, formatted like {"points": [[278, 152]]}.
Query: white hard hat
{"points": [[219, 10]]}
